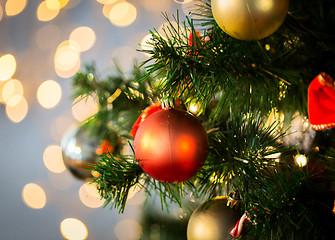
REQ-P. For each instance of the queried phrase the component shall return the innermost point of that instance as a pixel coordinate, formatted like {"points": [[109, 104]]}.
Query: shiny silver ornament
{"points": [[78, 149]]}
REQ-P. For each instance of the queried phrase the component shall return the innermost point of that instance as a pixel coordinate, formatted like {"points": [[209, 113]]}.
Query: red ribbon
{"points": [[237, 230]]}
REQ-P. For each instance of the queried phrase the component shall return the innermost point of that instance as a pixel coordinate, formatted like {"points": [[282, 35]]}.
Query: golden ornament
{"points": [[213, 220], [249, 19]]}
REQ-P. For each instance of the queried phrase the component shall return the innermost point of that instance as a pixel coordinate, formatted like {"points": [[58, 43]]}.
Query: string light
{"points": [[300, 160]]}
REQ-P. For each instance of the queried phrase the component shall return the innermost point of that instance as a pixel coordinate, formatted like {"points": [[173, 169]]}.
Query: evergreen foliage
{"points": [[237, 83]]}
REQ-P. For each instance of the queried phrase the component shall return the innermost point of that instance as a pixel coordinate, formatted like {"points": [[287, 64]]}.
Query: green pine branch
{"points": [[288, 204], [119, 99], [237, 83], [240, 148], [268, 73], [119, 173]]}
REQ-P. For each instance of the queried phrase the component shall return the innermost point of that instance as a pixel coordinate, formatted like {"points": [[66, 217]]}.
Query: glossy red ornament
{"points": [[321, 102], [171, 145]]}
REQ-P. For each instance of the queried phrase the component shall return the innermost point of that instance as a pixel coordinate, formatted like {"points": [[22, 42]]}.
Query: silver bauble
{"points": [[78, 149]]}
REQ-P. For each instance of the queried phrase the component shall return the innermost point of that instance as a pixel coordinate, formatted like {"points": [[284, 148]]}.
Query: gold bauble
{"points": [[213, 220], [249, 19]]}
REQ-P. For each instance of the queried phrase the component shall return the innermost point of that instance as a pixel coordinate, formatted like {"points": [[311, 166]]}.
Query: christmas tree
{"points": [[234, 108]]}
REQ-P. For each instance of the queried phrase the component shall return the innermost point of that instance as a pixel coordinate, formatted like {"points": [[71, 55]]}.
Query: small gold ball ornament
{"points": [[249, 19], [213, 220]]}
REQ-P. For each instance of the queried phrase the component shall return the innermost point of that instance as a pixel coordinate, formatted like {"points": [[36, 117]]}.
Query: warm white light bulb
{"points": [[300, 160]]}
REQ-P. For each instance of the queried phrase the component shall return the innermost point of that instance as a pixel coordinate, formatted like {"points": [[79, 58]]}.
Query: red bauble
{"points": [[191, 37], [321, 102], [171, 145]]}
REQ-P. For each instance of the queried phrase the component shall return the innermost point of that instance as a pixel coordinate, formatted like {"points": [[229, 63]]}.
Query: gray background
{"points": [[22, 144]]}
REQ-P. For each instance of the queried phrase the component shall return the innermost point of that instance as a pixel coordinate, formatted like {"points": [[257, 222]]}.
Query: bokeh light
{"points": [[63, 3], [7, 66], [67, 73], [52, 158], [193, 108], [18, 112], [90, 196], [82, 107], [300, 160], [122, 14], [49, 94], [82, 38], [145, 44], [133, 191], [156, 6], [1, 13], [34, 196], [53, 4], [128, 229], [74, 229], [12, 92], [67, 59], [47, 36], [14, 7], [66, 56], [2, 84], [107, 8], [44, 13]]}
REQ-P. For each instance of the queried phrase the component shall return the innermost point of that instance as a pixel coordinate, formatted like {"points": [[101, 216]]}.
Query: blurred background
{"points": [[42, 45]]}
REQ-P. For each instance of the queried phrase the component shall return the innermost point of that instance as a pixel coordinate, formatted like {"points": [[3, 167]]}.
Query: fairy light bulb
{"points": [[300, 160]]}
